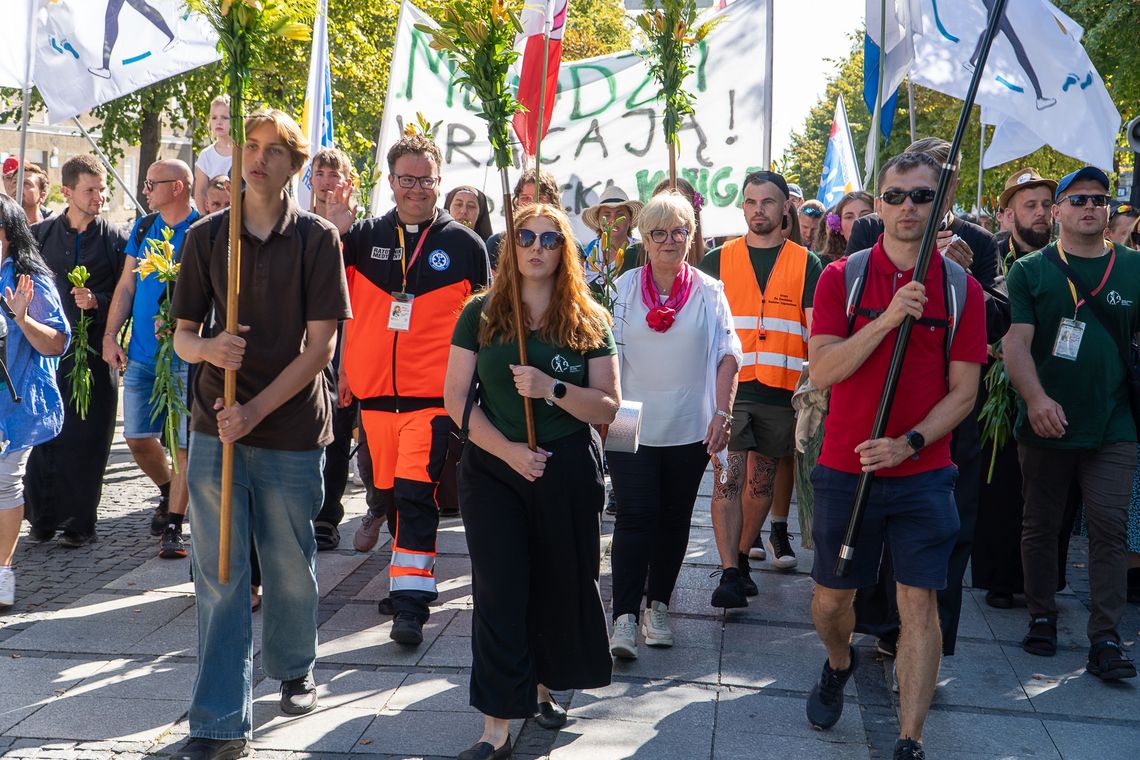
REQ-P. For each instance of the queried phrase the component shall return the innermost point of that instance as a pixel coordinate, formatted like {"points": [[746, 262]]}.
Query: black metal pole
{"points": [[926, 250]]}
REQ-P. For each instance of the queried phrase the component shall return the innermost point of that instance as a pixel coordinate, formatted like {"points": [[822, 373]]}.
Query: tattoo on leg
{"points": [[731, 488], [761, 476]]}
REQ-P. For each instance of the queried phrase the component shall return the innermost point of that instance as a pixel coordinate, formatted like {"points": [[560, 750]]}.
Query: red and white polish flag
{"points": [[539, 17]]}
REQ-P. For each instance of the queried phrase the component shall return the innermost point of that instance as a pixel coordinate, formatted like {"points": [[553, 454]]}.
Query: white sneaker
{"points": [[655, 626], [623, 643], [7, 587]]}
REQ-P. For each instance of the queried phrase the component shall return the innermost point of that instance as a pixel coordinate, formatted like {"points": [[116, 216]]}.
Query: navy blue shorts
{"points": [[916, 516]]}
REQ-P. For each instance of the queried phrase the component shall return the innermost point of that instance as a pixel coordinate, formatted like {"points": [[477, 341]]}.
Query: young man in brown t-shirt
{"points": [[293, 292]]}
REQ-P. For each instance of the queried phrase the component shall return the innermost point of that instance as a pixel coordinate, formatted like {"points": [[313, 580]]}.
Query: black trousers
{"points": [[535, 555], [64, 479], [337, 455], [656, 488]]}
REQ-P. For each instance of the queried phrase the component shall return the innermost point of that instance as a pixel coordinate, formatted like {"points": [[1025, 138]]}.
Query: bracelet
{"points": [[727, 417]]}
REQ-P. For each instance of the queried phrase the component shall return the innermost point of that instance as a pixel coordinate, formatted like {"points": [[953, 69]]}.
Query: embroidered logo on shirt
{"points": [[397, 254], [1115, 299], [559, 364], [439, 260], [381, 254]]}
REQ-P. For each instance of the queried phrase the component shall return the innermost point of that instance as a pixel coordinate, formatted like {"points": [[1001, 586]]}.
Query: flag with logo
{"points": [[840, 170], [90, 52], [539, 18], [887, 42], [1039, 86], [317, 118]]}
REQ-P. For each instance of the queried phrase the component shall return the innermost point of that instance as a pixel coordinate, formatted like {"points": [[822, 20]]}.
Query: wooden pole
{"points": [[508, 253], [229, 391], [672, 166]]}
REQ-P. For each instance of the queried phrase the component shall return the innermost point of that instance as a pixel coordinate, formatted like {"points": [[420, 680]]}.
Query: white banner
{"points": [[89, 52], [14, 55], [607, 121]]}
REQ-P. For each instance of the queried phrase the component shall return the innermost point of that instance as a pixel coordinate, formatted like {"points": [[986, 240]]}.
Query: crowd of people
{"points": [[764, 354]]}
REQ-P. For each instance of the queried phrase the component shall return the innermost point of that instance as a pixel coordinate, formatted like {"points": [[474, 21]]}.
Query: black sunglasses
{"points": [[549, 240], [921, 196], [1080, 199], [811, 211]]}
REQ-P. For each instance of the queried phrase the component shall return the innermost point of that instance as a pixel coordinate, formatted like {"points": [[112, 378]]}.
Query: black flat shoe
{"points": [[999, 600], [197, 748], [484, 751], [550, 715]]}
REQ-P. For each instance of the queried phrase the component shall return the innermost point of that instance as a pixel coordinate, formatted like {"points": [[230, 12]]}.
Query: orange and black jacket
{"points": [[403, 371]]}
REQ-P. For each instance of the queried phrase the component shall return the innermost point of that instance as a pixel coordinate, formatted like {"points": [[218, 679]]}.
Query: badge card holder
{"points": [[400, 312], [1069, 336]]}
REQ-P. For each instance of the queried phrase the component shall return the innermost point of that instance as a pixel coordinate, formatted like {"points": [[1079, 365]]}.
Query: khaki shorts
{"points": [[764, 428]]}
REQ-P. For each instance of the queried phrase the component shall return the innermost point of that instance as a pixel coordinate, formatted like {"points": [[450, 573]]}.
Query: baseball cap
{"points": [[1085, 172], [1023, 179], [794, 191], [775, 178]]}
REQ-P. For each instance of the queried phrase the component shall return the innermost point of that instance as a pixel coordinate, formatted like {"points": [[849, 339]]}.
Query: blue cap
{"points": [[1085, 172]]}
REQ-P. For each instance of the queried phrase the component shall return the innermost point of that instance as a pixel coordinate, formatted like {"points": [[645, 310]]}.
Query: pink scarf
{"points": [[662, 315]]}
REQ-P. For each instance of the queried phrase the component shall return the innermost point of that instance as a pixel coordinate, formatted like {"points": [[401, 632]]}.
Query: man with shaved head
{"points": [[168, 190]]}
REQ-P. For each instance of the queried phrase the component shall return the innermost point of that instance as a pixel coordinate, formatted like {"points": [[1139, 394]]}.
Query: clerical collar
{"points": [[414, 227]]}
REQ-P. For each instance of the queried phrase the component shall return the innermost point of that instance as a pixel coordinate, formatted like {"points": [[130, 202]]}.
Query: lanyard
{"points": [[1073, 288], [404, 263]]}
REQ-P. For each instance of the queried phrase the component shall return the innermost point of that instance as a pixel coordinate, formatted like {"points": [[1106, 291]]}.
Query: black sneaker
{"points": [[746, 581], [909, 749], [1108, 662], [781, 547], [407, 629], [385, 607], [160, 518], [730, 593], [172, 545], [825, 703], [327, 535], [71, 539], [611, 502], [757, 551], [197, 748], [299, 695], [887, 646]]}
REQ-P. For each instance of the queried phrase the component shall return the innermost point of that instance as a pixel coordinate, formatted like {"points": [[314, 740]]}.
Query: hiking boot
{"points": [[407, 629], [825, 703], [161, 517], [1108, 662], [909, 749], [730, 593], [7, 587], [623, 642], [327, 536], [781, 547], [299, 695], [655, 625], [368, 534], [71, 539], [197, 748], [757, 551], [746, 582], [172, 546]]}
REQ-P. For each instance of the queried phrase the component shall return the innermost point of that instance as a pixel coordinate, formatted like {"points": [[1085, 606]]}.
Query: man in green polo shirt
{"points": [[1074, 418]]}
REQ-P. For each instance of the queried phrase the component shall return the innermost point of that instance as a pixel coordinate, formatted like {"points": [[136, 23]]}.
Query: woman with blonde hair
{"points": [[532, 517]]}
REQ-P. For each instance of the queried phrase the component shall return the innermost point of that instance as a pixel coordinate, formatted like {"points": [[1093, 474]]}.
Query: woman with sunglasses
{"points": [[532, 517], [678, 354], [811, 215], [33, 334]]}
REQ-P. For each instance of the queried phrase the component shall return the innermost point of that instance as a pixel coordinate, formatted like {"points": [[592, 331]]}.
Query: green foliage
{"points": [[595, 27], [80, 378]]}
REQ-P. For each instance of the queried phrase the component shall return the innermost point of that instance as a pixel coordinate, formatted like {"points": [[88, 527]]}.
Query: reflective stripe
{"points": [[792, 327], [413, 583], [772, 360], [420, 561]]}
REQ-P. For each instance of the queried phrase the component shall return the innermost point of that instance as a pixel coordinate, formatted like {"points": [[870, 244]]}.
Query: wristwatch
{"points": [[915, 440], [558, 390]]}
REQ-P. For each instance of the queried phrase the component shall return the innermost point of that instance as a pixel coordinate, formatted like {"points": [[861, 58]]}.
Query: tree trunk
{"points": [[150, 139]]}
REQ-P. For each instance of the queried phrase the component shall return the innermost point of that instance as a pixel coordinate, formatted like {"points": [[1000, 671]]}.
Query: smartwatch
{"points": [[915, 440], [558, 390]]}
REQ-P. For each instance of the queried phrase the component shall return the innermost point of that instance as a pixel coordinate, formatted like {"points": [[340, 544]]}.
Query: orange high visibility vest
{"points": [[772, 325]]}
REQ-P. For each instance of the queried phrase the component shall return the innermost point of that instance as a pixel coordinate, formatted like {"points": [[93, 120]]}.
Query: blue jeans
{"points": [[138, 386], [276, 495]]}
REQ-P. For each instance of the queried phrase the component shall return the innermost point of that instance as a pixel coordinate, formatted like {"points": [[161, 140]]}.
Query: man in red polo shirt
{"points": [[911, 507]]}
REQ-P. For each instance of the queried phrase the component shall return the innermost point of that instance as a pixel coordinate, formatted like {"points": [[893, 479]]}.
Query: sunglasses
{"points": [[407, 181], [1080, 199], [549, 240], [679, 235], [920, 195], [811, 211], [150, 183]]}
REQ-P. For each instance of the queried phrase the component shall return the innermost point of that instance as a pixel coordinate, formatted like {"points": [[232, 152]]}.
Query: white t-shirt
{"points": [[211, 163]]}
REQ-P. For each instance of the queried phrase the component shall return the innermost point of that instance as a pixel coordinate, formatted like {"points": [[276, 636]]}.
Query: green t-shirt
{"points": [[1091, 389], [497, 395], [763, 262]]}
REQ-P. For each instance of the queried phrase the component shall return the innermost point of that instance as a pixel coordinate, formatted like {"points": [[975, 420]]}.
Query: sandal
{"points": [[1041, 639], [1108, 663]]}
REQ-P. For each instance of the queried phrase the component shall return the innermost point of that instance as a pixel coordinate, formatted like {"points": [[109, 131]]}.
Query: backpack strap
{"points": [[142, 227], [855, 282], [954, 289]]}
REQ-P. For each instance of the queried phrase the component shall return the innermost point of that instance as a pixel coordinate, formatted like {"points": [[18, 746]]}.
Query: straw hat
{"points": [[612, 197], [1022, 179]]}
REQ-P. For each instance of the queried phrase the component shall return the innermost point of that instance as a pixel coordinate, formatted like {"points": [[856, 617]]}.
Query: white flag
{"points": [[90, 52], [1039, 85], [317, 119], [896, 49], [13, 53]]}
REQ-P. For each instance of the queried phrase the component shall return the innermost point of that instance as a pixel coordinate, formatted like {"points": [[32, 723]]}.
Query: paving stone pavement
{"points": [[98, 658]]}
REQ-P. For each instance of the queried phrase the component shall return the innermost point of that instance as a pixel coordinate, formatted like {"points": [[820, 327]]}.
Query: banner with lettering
{"points": [[606, 124]]}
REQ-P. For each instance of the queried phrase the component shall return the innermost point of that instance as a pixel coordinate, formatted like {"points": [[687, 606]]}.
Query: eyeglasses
{"points": [[407, 181], [1081, 199], [549, 240], [920, 195], [150, 183], [811, 211], [679, 235]]}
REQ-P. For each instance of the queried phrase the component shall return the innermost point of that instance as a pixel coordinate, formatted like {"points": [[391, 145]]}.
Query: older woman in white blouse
{"points": [[678, 355]]}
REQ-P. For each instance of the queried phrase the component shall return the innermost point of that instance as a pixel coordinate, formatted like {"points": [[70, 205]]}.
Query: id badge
{"points": [[400, 312], [1069, 337]]}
